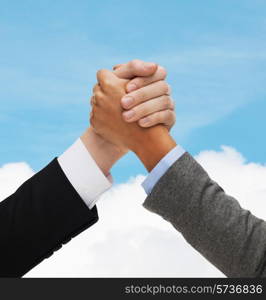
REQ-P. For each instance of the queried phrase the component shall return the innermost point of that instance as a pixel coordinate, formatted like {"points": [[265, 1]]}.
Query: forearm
{"points": [[153, 146], [44, 213], [214, 223], [104, 153]]}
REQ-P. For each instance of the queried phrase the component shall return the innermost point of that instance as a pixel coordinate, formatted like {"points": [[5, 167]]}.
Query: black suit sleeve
{"points": [[44, 213]]}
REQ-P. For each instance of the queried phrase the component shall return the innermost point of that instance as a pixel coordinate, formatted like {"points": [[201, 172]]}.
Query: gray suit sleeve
{"points": [[230, 237]]}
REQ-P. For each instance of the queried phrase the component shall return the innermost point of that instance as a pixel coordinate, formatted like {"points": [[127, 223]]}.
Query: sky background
{"points": [[50, 51], [214, 52]]}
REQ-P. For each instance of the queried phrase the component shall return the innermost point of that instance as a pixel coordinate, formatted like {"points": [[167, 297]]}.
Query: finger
{"points": [[97, 91], [135, 68], [148, 92], [96, 88], [107, 79], [165, 117], [117, 66], [145, 109], [139, 82], [92, 100]]}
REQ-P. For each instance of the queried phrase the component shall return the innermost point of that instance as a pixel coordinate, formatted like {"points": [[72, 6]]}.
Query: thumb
{"points": [[108, 79], [135, 68]]}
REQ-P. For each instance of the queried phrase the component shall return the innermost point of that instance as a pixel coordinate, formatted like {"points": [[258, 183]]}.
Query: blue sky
{"points": [[50, 51]]}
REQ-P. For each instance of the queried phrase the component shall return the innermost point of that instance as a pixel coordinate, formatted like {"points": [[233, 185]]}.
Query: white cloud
{"points": [[12, 176], [245, 181], [130, 241]]}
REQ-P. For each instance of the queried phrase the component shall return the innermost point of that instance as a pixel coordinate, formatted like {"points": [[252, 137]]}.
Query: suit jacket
{"points": [[214, 223], [44, 213]]}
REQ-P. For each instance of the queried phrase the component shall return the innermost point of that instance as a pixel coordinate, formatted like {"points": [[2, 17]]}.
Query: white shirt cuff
{"points": [[83, 173]]}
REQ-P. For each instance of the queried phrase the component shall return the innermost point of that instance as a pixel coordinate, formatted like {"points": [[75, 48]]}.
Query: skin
{"points": [[141, 74], [149, 144], [150, 98]]}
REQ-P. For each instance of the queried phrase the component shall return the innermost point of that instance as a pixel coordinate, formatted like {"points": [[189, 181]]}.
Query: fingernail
{"points": [[127, 101], [128, 114], [131, 87], [144, 121]]}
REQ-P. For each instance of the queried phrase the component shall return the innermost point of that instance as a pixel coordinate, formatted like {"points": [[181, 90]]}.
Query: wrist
{"points": [[104, 153], [156, 142]]}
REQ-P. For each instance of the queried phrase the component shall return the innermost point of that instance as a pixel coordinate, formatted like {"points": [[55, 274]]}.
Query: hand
{"points": [[106, 101], [148, 100], [107, 121], [142, 74]]}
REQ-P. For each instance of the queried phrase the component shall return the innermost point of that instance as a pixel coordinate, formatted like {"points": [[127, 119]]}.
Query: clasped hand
{"points": [[134, 115]]}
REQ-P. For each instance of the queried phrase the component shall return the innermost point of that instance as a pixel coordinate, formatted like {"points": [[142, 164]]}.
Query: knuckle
{"points": [[141, 110], [143, 95], [165, 116], [172, 104], [164, 87], [139, 82], [134, 63], [167, 88], [99, 100], [169, 115], [100, 73], [108, 83], [98, 95], [166, 101], [137, 114], [140, 95], [161, 116]]}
